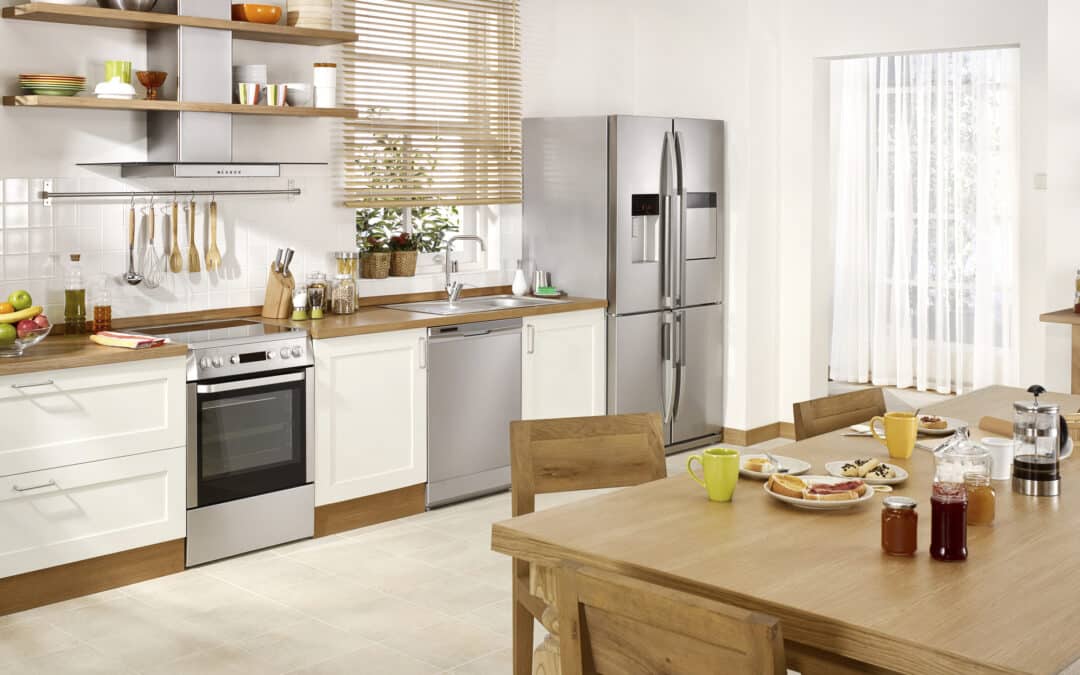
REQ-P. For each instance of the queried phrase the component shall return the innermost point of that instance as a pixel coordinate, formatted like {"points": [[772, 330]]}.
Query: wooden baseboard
{"points": [[63, 582], [745, 437], [363, 511], [787, 430]]}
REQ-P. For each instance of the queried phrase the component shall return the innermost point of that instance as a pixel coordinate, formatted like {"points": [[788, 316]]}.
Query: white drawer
{"points": [[61, 417], [59, 516]]}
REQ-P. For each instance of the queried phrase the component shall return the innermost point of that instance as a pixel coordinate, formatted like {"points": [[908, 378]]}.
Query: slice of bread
{"points": [[787, 485]]}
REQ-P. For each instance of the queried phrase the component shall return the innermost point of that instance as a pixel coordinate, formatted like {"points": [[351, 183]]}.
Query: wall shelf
{"points": [[89, 103], [115, 18]]}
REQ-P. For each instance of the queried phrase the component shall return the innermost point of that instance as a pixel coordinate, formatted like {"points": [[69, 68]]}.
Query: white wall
{"points": [[47, 143]]}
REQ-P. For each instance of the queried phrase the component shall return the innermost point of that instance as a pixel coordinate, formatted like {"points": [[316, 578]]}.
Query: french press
{"points": [[1036, 464]]}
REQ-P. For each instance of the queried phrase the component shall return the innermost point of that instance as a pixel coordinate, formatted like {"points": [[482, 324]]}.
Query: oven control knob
{"points": [[284, 352], [234, 359], [204, 363], [297, 352], [217, 362], [271, 355]]}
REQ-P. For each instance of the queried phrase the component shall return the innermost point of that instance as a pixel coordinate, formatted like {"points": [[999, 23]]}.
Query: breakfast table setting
{"points": [[860, 543]]}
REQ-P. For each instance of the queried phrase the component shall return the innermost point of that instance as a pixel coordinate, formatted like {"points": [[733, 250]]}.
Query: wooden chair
{"points": [[567, 454], [620, 626], [822, 415]]}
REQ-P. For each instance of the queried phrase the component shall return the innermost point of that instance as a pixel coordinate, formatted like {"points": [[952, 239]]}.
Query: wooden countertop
{"points": [[1061, 316], [1010, 607], [76, 351], [380, 320]]}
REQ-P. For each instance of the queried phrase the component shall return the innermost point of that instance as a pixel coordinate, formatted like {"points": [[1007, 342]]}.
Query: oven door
{"points": [[249, 436]]}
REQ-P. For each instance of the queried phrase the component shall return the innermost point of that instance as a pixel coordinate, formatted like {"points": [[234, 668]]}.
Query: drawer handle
{"points": [[46, 383], [16, 488]]}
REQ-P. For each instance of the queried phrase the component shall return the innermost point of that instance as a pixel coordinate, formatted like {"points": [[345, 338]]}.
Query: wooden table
{"points": [[1068, 316], [1013, 606]]}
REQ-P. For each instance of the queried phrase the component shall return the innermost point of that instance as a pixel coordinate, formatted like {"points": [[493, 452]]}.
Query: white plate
{"points": [[794, 466], [951, 425], [834, 468], [812, 505]]}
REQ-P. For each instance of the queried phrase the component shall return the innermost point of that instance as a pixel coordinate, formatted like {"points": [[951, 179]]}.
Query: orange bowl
{"points": [[254, 13]]}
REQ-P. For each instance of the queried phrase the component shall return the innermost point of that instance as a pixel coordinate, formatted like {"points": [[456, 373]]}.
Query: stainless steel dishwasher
{"points": [[474, 392]]}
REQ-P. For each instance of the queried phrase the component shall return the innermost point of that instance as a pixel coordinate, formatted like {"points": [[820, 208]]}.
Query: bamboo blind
{"points": [[437, 84]]}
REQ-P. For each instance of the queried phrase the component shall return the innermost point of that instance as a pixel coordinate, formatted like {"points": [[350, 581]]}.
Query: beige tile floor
{"points": [[419, 595]]}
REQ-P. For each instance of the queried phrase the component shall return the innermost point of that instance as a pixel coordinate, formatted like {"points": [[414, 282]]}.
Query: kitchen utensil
{"points": [[720, 469], [1037, 429], [297, 94], [132, 277], [151, 266], [276, 94], [193, 251], [248, 93], [790, 464], [277, 260], [176, 261], [152, 80], [288, 261], [776, 463], [256, 13], [128, 5], [213, 255], [52, 85]]}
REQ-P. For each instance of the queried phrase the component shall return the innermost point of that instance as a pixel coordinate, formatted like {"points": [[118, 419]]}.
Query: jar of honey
{"points": [[899, 526], [982, 500]]}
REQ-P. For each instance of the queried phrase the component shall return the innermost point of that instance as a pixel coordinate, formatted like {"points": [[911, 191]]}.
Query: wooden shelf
{"points": [[115, 18], [89, 102]]}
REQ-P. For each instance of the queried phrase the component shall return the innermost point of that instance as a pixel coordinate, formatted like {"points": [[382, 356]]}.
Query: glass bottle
{"points": [[318, 298], [74, 297], [899, 526], [344, 294], [102, 305], [948, 510], [348, 262], [981, 497]]}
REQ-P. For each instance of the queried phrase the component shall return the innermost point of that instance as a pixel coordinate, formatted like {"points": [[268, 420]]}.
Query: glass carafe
{"points": [[1036, 429]]}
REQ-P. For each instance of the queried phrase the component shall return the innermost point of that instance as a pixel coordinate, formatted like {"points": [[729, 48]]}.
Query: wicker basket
{"points": [[403, 263], [375, 265]]}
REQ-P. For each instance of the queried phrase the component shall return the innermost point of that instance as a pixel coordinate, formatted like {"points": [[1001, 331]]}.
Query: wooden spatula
{"points": [[213, 255], [193, 253], [176, 261]]}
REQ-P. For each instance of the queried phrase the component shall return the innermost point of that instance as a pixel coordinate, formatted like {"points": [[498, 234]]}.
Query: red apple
{"points": [[42, 321], [25, 327]]}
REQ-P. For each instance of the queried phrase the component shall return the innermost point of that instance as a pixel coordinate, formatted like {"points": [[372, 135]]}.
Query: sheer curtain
{"points": [[925, 216]]}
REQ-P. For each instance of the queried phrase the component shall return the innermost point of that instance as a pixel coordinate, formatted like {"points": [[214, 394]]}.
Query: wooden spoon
{"points": [[193, 252], [213, 255], [176, 261]]}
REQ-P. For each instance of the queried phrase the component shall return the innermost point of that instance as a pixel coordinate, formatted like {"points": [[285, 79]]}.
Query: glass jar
{"points": [[899, 526], [299, 303], [981, 499], [343, 297], [318, 297], [74, 297], [348, 262], [102, 305], [948, 507]]}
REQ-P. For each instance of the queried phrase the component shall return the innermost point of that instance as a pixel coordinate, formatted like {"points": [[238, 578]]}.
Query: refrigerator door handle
{"points": [[669, 190], [667, 373], [681, 289], [679, 363]]}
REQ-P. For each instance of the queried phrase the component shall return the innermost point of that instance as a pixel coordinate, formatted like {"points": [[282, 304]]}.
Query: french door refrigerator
{"points": [[630, 209]]}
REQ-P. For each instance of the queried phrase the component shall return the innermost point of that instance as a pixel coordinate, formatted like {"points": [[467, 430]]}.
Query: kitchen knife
{"points": [[288, 260], [277, 261]]}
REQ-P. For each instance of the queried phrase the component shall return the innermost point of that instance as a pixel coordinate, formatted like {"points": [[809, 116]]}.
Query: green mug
{"points": [[120, 69], [720, 468]]}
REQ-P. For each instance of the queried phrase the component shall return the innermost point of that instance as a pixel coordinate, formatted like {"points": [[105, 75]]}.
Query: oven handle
{"points": [[248, 384]]}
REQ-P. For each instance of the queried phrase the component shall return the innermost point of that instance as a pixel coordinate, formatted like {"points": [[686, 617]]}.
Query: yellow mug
{"points": [[720, 466], [901, 428]]}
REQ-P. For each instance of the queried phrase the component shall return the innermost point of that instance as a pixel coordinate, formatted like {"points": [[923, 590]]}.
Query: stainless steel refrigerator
{"points": [[631, 209]]}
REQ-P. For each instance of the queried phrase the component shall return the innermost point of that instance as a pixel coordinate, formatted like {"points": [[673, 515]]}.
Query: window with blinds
{"points": [[437, 84]]}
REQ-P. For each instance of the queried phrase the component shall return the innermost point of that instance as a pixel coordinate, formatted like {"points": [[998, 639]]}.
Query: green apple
{"points": [[7, 334], [20, 300]]}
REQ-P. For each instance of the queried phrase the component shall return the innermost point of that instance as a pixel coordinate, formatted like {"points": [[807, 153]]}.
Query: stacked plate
{"points": [[52, 85], [310, 13]]}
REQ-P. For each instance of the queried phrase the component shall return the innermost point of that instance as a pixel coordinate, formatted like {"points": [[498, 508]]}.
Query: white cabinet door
{"points": [[564, 365], [58, 516], [371, 414], [60, 417]]}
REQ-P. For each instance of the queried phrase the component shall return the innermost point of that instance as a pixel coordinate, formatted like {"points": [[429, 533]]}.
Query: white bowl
{"points": [[297, 94]]}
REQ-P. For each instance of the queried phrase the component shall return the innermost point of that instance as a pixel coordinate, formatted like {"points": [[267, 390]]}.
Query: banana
{"points": [[15, 317]]}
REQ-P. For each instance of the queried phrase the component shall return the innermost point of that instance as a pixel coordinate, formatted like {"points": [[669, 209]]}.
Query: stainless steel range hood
{"points": [[199, 64]]}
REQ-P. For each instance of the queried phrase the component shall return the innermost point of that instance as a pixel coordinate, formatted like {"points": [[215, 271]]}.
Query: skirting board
{"points": [[363, 511], [745, 437], [63, 582]]}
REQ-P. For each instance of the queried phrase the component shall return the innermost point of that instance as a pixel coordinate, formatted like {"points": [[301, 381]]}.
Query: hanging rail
{"points": [[47, 195]]}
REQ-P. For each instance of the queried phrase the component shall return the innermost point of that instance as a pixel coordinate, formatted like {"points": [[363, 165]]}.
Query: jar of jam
{"points": [[899, 526], [981, 498], [948, 522]]}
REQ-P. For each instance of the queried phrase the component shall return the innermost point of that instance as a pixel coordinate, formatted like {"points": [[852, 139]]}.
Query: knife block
{"points": [[277, 303]]}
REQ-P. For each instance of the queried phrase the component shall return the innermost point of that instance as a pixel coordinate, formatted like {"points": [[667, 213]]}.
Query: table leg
{"points": [[1076, 359], [523, 635]]}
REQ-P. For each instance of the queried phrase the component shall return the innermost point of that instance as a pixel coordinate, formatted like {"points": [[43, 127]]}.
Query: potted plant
{"points": [[373, 241], [403, 252]]}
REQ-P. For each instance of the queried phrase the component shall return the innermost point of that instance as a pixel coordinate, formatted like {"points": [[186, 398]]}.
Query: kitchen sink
{"points": [[485, 303]]}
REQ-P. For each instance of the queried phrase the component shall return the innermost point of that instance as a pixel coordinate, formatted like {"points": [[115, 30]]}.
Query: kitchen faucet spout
{"points": [[453, 289]]}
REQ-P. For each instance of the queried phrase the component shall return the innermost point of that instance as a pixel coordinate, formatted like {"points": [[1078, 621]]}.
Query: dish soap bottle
{"points": [[520, 286], [74, 298]]}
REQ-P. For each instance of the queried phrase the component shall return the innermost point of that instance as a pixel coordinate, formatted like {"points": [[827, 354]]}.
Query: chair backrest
{"points": [[583, 453], [615, 625], [822, 415]]}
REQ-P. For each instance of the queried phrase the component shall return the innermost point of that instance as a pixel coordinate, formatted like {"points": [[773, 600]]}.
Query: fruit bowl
{"points": [[21, 344], [256, 13]]}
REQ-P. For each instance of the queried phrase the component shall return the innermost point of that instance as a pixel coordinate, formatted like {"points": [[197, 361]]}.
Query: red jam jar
{"points": [[948, 522], [899, 526]]}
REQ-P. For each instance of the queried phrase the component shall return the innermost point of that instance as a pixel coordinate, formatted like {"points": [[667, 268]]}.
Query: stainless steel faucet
{"points": [[453, 289]]}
